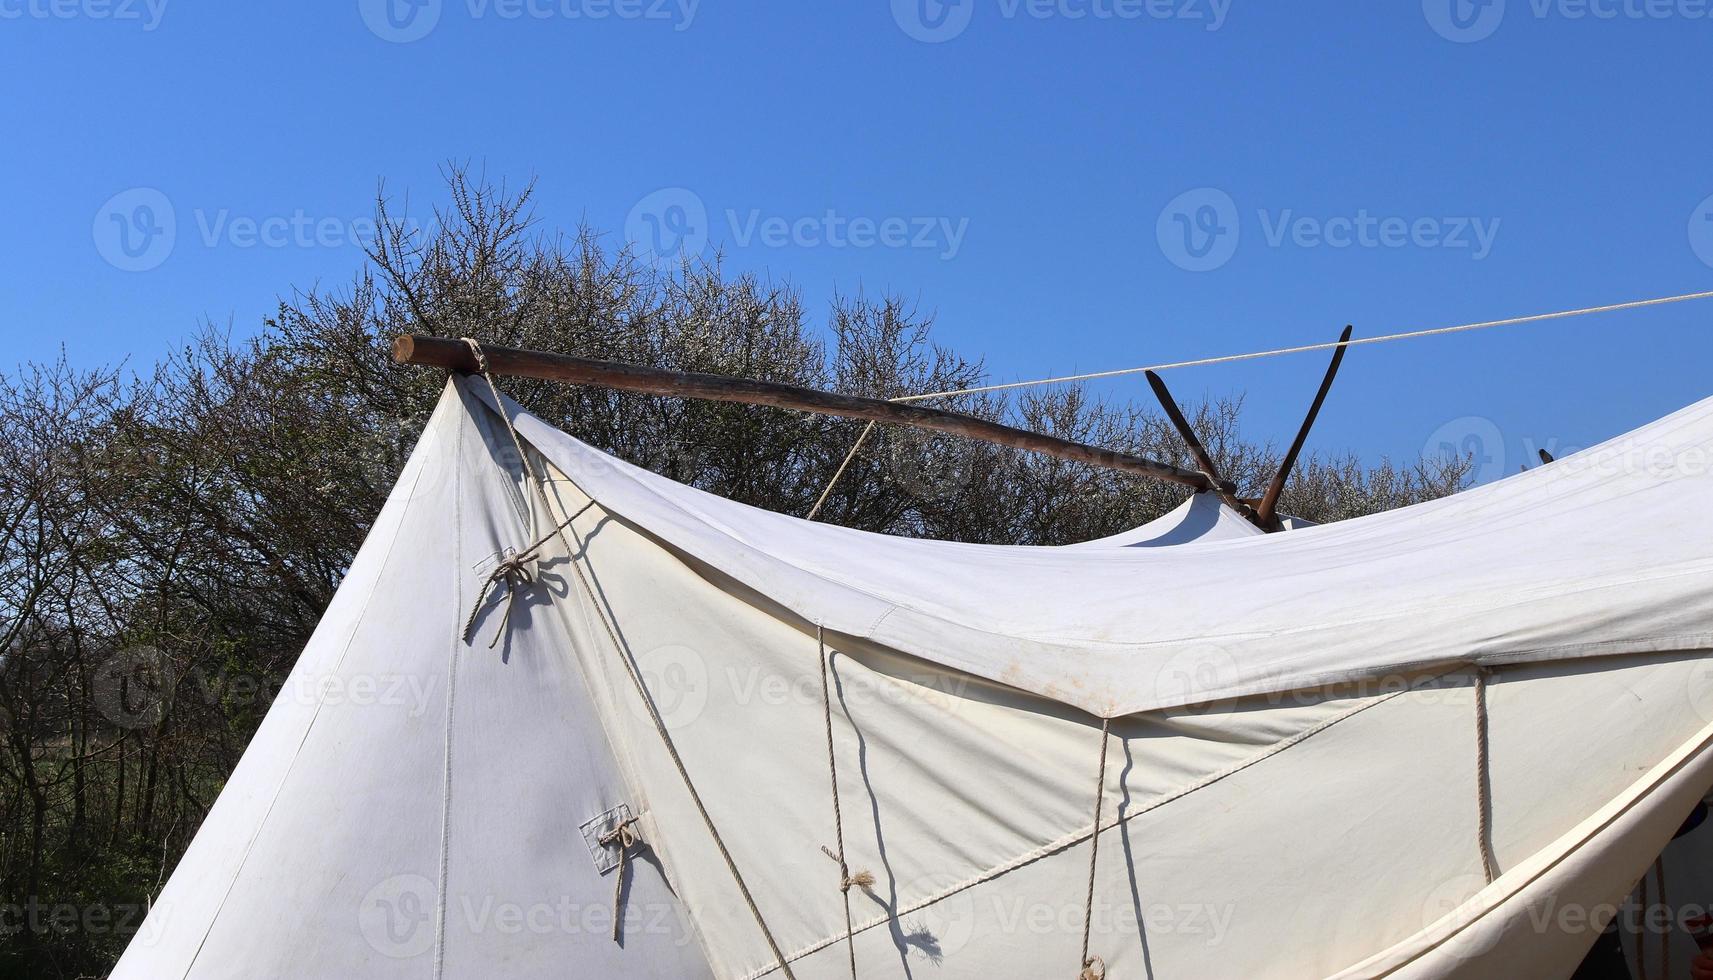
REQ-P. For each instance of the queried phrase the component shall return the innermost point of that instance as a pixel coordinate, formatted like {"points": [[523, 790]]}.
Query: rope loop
{"points": [[625, 837], [480, 354], [1088, 961]]}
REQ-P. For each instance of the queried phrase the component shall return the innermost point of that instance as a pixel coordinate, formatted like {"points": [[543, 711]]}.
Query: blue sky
{"points": [[1070, 185]]}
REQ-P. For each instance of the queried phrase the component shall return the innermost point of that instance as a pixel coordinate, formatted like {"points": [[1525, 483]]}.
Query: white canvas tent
{"points": [[1297, 781]]}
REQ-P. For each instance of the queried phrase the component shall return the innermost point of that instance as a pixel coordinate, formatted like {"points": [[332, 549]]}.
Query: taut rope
{"points": [[1483, 782], [846, 879], [631, 669], [856, 447], [1306, 348], [1093, 967], [1255, 355]]}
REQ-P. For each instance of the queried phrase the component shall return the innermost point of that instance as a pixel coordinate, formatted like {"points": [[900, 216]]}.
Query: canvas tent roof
{"points": [[1201, 517], [421, 804], [1593, 554]]}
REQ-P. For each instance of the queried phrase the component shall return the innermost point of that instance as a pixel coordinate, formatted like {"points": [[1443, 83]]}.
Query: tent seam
{"points": [[444, 875]]}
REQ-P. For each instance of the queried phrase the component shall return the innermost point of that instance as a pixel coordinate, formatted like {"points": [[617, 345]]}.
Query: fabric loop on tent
{"points": [[846, 880], [630, 667], [1483, 780], [1088, 969]]}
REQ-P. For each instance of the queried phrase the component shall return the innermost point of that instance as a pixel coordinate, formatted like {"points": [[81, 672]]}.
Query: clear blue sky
{"points": [[1531, 155]]}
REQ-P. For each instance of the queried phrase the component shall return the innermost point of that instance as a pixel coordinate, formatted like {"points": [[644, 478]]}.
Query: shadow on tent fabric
{"points": [[1130, 861], [900, 940]]}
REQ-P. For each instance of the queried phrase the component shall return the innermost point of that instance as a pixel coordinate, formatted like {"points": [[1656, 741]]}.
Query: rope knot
{"points": [[624, 835], [862, 879], [513, 570], [1094, 968]]}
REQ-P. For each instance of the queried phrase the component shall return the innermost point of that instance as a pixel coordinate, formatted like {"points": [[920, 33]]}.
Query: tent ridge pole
{"points": [[454, 355]]}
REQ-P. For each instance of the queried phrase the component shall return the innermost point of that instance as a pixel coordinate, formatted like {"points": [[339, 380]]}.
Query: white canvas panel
{"points": [[349, 843]]}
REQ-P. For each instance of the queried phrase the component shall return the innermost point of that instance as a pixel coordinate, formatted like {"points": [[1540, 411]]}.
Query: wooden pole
{"points": [[455, 355], [1270, 502], [1226, 490]]}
